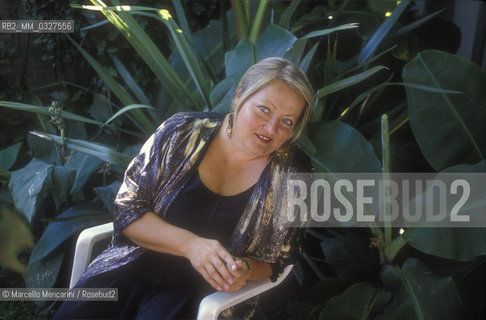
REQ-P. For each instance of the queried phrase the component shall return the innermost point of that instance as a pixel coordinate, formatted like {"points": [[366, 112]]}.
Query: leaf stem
{"points": [[260, 15], [63, 148], [385, 160], [411, 293]]}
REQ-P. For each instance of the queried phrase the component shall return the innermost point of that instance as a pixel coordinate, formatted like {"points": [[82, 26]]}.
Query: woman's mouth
{"points": [[263, 138]]}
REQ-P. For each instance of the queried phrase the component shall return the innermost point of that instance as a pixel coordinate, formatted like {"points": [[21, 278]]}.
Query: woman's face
{"points": [[267, 119]]}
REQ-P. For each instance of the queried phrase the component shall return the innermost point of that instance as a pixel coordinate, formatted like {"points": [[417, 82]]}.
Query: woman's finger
{"points": [[227, 258], [216, 277], [209, 280], [236, 286], [223, 271]]}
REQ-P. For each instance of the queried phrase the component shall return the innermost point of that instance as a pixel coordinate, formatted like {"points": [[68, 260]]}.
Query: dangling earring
{"points": [[229, 128], [283, 151], [231, 118]]}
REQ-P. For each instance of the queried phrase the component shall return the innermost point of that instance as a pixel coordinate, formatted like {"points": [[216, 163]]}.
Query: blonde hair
{"points": [[270, 69]]}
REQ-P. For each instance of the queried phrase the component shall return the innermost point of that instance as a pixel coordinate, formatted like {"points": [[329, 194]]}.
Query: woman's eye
{"points": [[288, 122], [264, 109]]}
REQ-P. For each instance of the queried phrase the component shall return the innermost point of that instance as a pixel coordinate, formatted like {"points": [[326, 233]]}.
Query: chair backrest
{"points": [[87, 247]]}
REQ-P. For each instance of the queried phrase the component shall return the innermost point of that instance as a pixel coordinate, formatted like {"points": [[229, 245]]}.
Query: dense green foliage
{"points": [[362, 65]]}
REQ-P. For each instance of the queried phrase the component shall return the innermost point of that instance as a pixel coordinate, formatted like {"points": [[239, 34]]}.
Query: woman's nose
{"points": [[271, 126]]}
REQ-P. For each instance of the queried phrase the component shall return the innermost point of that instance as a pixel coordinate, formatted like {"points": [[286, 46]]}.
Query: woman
{"points": [[201, 207]]}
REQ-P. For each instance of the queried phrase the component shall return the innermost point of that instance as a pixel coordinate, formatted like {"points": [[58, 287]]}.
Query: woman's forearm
{"points": [[207, 256], [259, 270], [153, 233]]}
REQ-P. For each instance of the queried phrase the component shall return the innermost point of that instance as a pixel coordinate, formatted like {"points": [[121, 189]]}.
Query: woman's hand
{"points": [[241, 273], [211, 259], [208, 257]]}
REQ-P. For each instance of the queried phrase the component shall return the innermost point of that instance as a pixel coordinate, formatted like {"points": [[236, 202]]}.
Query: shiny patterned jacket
{"points": [[164, 165]]}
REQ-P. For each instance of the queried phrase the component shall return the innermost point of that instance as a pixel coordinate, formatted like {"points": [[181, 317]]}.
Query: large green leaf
{"points": [[238, 60], [357, 302], [62, 182], [309, 306], [58, 231], [477, 167], [274, 42], [419, 294], [85, 165], [29, 186], [223, 94], [297, 51], [351, 257], [8, 155], [107, 194], [43, 273], [208, 42], [463, 244], [341, 148], [100, 108], [96, 150], [449, 128]]}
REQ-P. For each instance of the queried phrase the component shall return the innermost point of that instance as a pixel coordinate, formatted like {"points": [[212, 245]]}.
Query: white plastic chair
{"points": [[209, 308]]}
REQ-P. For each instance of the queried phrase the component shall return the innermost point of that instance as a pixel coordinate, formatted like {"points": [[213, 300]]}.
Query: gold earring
{"points": [[283, 151], [229, 128]]}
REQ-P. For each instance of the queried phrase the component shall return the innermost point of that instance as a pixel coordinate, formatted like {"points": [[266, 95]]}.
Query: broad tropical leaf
{"points": [[419, 294], [341, 148], [357, 302], [449, 128], [96, 150], [43, 273], [107, 194], [58, 231], [84, 165], [29, 186], [464, 244], [8, 155]]}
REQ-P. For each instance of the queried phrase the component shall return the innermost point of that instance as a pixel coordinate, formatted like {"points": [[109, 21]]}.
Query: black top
{"points": [[205, 213]]}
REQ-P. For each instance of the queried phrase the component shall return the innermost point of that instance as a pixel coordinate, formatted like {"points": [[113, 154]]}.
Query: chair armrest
{"points": [[84, 248], [212, 305]]}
